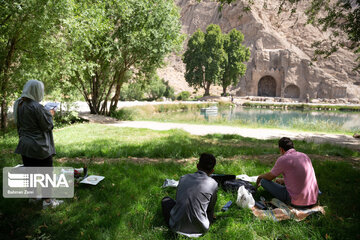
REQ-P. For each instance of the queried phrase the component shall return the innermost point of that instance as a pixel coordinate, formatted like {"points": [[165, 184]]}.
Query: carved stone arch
{"points": [[267, 87], [292, 91]]}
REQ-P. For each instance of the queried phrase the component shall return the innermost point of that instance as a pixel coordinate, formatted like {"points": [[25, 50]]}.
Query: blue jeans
{"points": [[277, 190]]}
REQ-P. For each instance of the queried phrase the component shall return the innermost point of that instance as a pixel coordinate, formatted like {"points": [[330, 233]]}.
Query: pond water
{"points": [[348, 121]]}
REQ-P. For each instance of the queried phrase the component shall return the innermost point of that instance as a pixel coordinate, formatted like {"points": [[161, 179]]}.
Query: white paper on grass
{"points": [[170, 183], [247, 178], [92, 179]]}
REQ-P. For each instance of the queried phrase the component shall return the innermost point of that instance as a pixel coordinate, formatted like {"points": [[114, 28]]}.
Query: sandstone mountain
{"points": [[281, 52]]}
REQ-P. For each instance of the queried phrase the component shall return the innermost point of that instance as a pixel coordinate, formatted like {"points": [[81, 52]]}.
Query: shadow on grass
{"points": [[182, 145], [126, 205]]}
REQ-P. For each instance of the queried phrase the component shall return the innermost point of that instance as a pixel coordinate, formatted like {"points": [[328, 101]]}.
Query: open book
{"points": [[52, 106]]}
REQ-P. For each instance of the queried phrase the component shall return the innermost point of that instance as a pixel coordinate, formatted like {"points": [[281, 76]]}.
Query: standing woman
{"points": [[35, 124]]}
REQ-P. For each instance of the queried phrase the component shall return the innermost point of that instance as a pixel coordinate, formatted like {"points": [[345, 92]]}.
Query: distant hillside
{"points": [[281, 52]]}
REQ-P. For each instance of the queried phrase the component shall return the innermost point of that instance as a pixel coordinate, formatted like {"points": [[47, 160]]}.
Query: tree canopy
{"points": [[93, 46], [105, 41], [204, 58], [213, 58], [194, 60], [25, 26], [237, 54]]}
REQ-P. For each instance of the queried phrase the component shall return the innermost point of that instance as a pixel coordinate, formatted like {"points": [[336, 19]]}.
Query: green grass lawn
{"points": [[135, 162]]}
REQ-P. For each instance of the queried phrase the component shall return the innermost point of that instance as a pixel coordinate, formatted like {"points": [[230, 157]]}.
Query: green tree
{"points": [[237, 54], [25, 48], [215, 58], [195, 61], [204, 58], [105, 41], [214, 54]]}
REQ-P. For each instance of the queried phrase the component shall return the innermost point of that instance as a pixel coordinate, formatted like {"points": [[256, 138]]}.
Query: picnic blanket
{"points": [[285, 212]]}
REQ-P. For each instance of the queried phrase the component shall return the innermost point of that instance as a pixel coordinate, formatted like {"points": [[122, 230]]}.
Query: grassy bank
{"points": [[190, 113], [146, 111], [304, 106], [135, 162]]}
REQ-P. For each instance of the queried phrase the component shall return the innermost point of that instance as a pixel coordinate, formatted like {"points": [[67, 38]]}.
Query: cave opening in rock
{"points": [[292, 91], [267, 87]]}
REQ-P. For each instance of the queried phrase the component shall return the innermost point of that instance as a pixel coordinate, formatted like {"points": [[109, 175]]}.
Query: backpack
{"points": [[234, 184]]}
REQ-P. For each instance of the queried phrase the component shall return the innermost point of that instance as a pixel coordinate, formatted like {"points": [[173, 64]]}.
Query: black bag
{"points": [[233, 186], [230, 183], [221, 178]]}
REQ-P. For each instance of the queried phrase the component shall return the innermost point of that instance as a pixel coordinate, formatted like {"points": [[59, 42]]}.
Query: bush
{"points": [[183, 96], [152, 89], [157, 88], [196, 98], [132, 91], [67, 118], [164, 108], [125, 114], [169, 92]]}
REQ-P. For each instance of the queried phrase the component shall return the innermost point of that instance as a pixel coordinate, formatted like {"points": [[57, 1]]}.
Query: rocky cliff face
{"points": [[280, 64]]}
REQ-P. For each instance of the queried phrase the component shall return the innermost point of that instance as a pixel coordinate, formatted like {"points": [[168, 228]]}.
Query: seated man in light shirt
{"points": [[301, 188], [193, 211]]}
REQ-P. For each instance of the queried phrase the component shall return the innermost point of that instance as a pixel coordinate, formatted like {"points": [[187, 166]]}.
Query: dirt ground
{"points": [[268, 159]]}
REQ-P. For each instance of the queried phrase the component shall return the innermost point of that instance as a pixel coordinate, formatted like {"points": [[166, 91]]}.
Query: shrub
{"points": [[184, 96], [126, 114], [150, 89], [169, 92], [157, 88], [196, 98], [67, 118], [132, 91], [164, 108], [225, 105]]}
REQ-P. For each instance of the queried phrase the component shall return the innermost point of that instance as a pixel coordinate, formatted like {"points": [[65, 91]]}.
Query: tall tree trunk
{"points": [[104, 109], [4, 103], [96, 96], [224, 91], [207, 89], [93, 109], [81, 87], [116, 97], [3, 114]]}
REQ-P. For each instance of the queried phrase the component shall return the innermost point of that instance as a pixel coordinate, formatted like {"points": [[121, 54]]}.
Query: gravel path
{"points": [[195, 129]]}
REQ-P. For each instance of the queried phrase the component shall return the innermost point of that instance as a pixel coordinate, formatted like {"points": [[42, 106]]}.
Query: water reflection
{"points": [[287, 118]]}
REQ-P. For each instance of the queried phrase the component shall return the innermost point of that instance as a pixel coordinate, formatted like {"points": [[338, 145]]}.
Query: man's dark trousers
{"points": [[167, 203]]}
